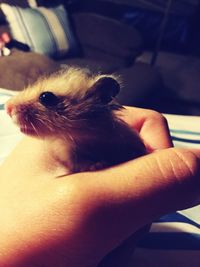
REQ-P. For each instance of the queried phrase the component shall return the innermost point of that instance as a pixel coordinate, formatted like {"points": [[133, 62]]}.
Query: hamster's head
{"points": [[63, 102]]}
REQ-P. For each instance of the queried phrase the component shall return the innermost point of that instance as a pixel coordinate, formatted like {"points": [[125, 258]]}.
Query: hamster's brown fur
{"points": [[78, 107]]}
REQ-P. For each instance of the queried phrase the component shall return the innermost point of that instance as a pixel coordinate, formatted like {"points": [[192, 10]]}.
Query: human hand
{"points": [[76, 220]]}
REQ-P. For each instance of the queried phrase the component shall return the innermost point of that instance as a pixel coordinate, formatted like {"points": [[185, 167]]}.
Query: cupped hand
{"points": [[77, 219]]}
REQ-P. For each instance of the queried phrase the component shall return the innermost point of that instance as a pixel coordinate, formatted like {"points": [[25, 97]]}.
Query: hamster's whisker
{"points": [[47, 123], [71, 139], [25, 127], [40, 120], [72, 120], [35, 129]]}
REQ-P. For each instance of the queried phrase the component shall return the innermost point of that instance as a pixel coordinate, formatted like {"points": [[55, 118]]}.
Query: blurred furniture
{"points": [[172, 44], [108, 44]]}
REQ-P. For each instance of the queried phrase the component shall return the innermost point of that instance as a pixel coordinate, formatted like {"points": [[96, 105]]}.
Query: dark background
{"points": [[176, 57], [153, 45]]}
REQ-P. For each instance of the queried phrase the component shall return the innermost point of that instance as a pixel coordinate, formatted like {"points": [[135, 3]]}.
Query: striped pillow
{"points": [[44, 30]]}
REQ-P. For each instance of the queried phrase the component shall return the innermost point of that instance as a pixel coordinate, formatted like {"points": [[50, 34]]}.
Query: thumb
{"points": [[141, 190], [114, 203]]}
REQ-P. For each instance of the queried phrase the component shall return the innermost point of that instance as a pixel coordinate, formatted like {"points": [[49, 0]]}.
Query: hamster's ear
{"points": [[105, 88]]}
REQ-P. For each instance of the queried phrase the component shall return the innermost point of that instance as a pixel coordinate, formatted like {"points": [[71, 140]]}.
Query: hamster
{"points": [[79, 108]]}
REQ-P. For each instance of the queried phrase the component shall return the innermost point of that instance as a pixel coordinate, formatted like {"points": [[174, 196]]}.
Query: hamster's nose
{"points": [[9, 109]]}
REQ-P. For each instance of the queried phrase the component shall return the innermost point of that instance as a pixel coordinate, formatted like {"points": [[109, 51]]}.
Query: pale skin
{"points": [[75, 220]]}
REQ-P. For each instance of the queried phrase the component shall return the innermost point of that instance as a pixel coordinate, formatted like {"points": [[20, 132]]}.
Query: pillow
{"points": [[44, 30], [21, 3]]}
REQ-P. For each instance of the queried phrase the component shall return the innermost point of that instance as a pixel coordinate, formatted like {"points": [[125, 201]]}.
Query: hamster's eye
{"points": [[48, 99]]}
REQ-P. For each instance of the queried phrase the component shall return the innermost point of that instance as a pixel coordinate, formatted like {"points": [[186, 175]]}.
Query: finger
{"points": [[151, 125]]}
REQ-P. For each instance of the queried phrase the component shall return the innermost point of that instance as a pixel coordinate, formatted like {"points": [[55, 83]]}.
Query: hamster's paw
{"points": [[98, 166]]}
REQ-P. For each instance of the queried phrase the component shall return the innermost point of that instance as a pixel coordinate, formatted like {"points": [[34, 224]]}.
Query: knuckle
{"points": [[163, 120], [181, 170], [187, 163], [158, 116]]}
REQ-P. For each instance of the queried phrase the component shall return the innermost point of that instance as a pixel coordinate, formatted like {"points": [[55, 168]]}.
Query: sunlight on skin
{"points": [[77, 219]]}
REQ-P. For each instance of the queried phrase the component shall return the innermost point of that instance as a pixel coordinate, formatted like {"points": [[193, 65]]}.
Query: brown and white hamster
{"points": [[79, 108]]}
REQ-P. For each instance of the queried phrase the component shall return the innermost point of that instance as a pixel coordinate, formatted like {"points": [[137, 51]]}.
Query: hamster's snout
{"points": [[9, 109]]}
